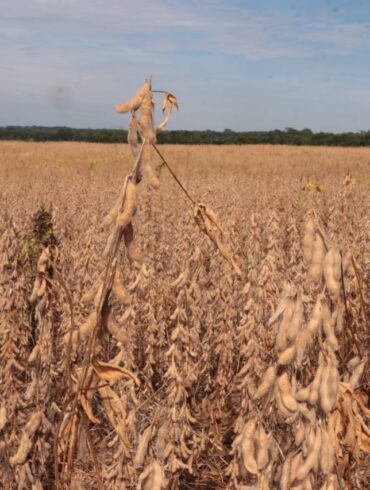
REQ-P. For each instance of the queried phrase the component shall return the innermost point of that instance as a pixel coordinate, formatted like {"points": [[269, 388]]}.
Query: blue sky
{"points": [[244, 65]]}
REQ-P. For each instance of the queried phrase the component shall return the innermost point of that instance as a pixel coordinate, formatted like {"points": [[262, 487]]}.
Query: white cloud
{"points": [[213, 26], [71, 60]]}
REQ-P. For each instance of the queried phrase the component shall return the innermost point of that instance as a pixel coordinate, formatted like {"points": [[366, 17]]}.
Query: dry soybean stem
{"points": [[347, 311], [174, 175], [107, 286], [359, 283], [93, 453]]}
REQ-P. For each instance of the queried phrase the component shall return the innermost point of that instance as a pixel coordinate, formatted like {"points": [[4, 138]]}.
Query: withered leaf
{"points": [[88, 409], [112, 374], [169, 100]]}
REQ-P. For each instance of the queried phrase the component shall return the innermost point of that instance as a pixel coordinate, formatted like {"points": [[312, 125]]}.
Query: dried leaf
{"points": [[115, 411], [88, 409], [111, 373]]}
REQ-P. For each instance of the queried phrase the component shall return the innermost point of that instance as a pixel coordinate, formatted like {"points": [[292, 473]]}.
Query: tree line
{"points": [[288, 136]]}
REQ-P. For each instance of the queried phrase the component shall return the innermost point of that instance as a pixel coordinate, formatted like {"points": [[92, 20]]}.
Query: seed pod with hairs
{"points": [[82, 331], [267, 382], [315, 270], [303, 394], [129, 206], [337, 264], [287, 356], [26, 443], [309, 440], [285, 480], [115, 330], [316, 383], [262, 446], [132, 247], [282, 305], [308, 241], [33, 356], [353, 363], [316, 318], [296, 320], [90, 294], [329, 386], [38, 289], [327, 456], [148, 162], [133, 129], [280, 405], [331, 271], [152, 478], [3, 419], [136, 101], [311, 459], [142, 447], [348, 264], [301, 342], [307, 413], [110, 218], [299, 432], [146, 119], [338, 315], [282, 337], [161, 440], [285, 390], [248, 450], [329, 327], [118, 288], [296, 463], [357, 373]]}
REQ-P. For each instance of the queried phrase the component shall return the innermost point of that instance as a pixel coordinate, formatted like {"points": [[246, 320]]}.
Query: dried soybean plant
{"points": [[90, 371], [175, 432], [95, 374], [143, 127], [313, 383], [226, 385], [31, 334]]}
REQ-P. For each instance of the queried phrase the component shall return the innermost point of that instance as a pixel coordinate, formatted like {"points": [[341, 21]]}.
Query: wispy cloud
{"points": [[66, 55], [350, 37], [158, 27]]}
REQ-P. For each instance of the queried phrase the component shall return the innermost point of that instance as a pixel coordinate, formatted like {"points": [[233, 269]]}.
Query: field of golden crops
{"points": [[222, 345]]}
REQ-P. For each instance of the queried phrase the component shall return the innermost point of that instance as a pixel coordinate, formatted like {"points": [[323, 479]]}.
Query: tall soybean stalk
{"points": [[94, 375]]}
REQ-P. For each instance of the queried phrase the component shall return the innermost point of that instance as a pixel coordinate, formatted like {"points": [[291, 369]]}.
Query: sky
{"points": [[239, 64]]}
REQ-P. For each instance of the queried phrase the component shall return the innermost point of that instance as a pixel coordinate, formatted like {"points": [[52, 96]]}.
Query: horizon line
{"points": [[225, 130]]}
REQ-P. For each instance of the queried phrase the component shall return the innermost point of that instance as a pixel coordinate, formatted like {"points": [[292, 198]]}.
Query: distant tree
{"points": [[289, 136]]}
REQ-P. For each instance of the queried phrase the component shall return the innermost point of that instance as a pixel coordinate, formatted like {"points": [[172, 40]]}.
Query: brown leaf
{"points": [[169, 100], [88, 409], [112, 374], [350, 436], [115, 411]]}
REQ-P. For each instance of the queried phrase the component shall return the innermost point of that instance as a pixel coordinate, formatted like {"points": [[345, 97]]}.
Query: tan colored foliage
{"points": [[229, 356]]}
